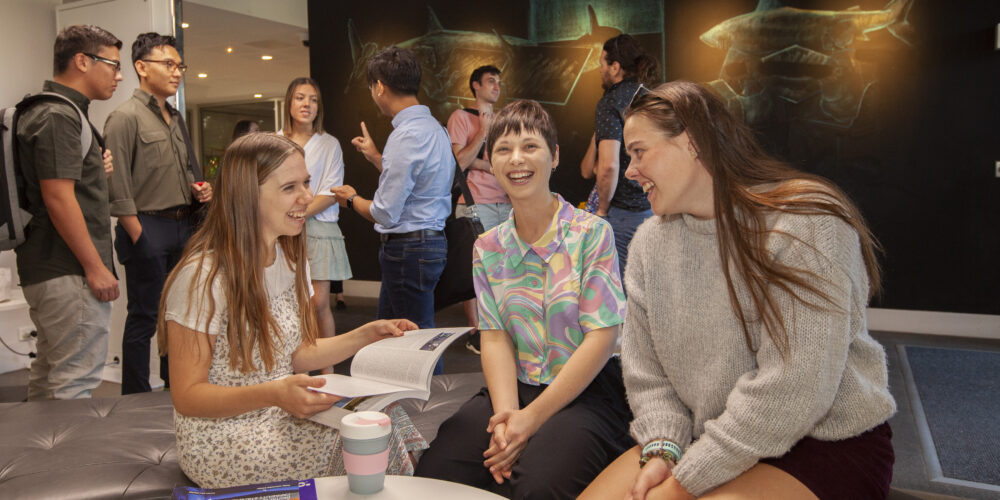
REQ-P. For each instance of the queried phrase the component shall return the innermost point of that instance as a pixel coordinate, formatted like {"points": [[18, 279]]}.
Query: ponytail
{"points": [[647, 69], [626, 51]]}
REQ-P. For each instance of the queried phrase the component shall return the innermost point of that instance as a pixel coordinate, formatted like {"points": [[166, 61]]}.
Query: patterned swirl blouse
{"points": [[548, 294]]}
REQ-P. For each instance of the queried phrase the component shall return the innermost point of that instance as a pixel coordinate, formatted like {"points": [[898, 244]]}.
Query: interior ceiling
{"points": [[237, 76]]}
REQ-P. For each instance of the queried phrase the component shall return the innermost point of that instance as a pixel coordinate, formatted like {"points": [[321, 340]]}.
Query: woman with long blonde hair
{"points": [[237, 321], [747, 361]]}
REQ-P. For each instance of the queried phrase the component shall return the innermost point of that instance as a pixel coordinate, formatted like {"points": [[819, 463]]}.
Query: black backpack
{"points": [[13, 216]]}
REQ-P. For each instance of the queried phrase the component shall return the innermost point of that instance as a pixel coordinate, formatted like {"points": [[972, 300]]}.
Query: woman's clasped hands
{"points": [[655, 473], [511, 430]]}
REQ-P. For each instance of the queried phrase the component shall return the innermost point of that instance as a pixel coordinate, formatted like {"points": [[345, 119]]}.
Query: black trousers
{"points": [[560, 460], [147, 263]]}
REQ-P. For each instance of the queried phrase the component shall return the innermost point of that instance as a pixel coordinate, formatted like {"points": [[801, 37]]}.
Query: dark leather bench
{"points": [[125, 447]]}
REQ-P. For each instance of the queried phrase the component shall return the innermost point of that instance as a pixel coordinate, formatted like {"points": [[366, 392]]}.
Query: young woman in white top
{"points": [[748, 364], [325, 162], [240, 329]]}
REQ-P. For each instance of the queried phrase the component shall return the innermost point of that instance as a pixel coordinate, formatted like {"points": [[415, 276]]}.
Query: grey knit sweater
{"points": [[690, 376]]}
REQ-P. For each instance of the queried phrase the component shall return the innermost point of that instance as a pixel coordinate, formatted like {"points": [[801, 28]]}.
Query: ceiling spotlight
{"points": [[229, 50], [258, 96], [266, 57], [202, 75], [185, 25]]}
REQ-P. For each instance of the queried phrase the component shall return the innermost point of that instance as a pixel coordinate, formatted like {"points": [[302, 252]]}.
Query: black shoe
{"points": [[341, 305], [473, 343]]}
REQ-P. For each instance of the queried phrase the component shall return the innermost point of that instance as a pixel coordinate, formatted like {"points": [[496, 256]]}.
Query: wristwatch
{"points": [[350, 201]]}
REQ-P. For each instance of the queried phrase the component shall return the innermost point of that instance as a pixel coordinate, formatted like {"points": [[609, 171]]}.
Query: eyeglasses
{"points": [[171, 65], [117, 65]]}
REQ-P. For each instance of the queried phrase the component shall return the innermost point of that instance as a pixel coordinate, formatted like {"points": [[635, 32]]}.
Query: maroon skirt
{"points": [[857, 467]]}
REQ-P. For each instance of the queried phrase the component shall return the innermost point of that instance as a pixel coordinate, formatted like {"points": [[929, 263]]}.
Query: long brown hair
{"points": [[747, 185], [229, 249], [317, 125]]}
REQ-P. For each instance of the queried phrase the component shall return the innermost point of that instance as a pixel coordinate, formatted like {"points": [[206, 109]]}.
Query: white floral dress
{"points": [[267, 444]]}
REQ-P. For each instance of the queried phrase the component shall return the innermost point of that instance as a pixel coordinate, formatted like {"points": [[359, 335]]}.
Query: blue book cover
{"points": [[279, 490]]}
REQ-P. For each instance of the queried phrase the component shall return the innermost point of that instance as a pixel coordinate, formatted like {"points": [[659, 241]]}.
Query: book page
{"points": [[386, 371], [408, 360], [331, 417], [353, 387]]}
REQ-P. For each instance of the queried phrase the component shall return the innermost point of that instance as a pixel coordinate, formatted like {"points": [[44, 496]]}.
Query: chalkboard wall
{"points": [[897, 105]]}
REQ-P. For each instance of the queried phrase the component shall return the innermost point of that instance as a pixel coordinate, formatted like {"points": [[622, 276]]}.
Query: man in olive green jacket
{"points": [[154, 191]]}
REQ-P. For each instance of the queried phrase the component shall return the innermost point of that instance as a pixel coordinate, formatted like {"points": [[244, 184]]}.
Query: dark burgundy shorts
{"points": [[857, 467]]}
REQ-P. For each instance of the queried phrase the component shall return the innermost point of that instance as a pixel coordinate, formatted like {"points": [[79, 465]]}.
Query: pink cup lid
{"points": [[365, 425]]}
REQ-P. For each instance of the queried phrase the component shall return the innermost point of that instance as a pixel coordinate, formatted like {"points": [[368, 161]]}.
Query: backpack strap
{"points": [[460, 181], [87, 131], [482, 150]]}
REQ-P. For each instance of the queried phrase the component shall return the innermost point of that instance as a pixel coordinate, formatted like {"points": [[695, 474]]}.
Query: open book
{"points": [[386, 371]]}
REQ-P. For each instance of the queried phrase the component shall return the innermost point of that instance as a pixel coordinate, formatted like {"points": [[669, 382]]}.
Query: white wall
{"points": [[291, 12]]}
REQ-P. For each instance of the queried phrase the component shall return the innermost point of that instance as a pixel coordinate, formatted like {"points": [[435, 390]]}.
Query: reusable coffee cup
{"points": [[365, 435]]}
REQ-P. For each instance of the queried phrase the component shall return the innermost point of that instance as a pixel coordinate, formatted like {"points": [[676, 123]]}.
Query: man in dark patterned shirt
{"points": [[620, 201]]}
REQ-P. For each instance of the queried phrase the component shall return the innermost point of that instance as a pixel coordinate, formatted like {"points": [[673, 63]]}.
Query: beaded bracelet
{"points": [[667, 450]]}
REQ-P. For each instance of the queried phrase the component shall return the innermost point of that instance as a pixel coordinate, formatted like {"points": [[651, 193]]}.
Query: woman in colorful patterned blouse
{"points": [[242, 333], [553, 413]]}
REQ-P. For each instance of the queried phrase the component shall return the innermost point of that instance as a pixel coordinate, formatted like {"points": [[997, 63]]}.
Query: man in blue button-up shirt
{"points": [[413, 198]]}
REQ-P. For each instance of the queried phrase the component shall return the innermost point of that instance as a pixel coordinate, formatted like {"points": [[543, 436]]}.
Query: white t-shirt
{"points": [[325, 162], [278, 277]]}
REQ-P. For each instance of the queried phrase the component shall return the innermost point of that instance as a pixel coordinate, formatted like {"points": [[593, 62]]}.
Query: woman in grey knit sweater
{"points": [[756, 378]]}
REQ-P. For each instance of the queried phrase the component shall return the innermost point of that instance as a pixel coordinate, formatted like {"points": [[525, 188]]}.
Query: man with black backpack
{"points": [[468, 128], [65, 262], [155, 192]]}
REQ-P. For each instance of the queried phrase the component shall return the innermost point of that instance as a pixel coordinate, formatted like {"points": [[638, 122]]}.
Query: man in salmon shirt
{"points": [[468, 128]]}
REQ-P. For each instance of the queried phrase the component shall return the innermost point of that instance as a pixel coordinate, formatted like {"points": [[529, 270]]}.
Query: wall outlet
{"points": [[24, 333]]}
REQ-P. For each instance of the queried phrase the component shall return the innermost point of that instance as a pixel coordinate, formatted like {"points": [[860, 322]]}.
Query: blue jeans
{"points": [[624, 223], [411, 268], [490, 214]]}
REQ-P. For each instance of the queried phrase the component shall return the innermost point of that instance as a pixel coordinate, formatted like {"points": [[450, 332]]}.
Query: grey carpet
{"points": [[959, 392]]}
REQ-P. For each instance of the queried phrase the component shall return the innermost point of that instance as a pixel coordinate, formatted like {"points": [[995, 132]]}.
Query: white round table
{"points": [[402, 488]]}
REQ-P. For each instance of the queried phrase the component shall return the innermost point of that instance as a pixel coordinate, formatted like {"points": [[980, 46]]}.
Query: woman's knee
{"points": [[469, 421], [762, 481]]}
